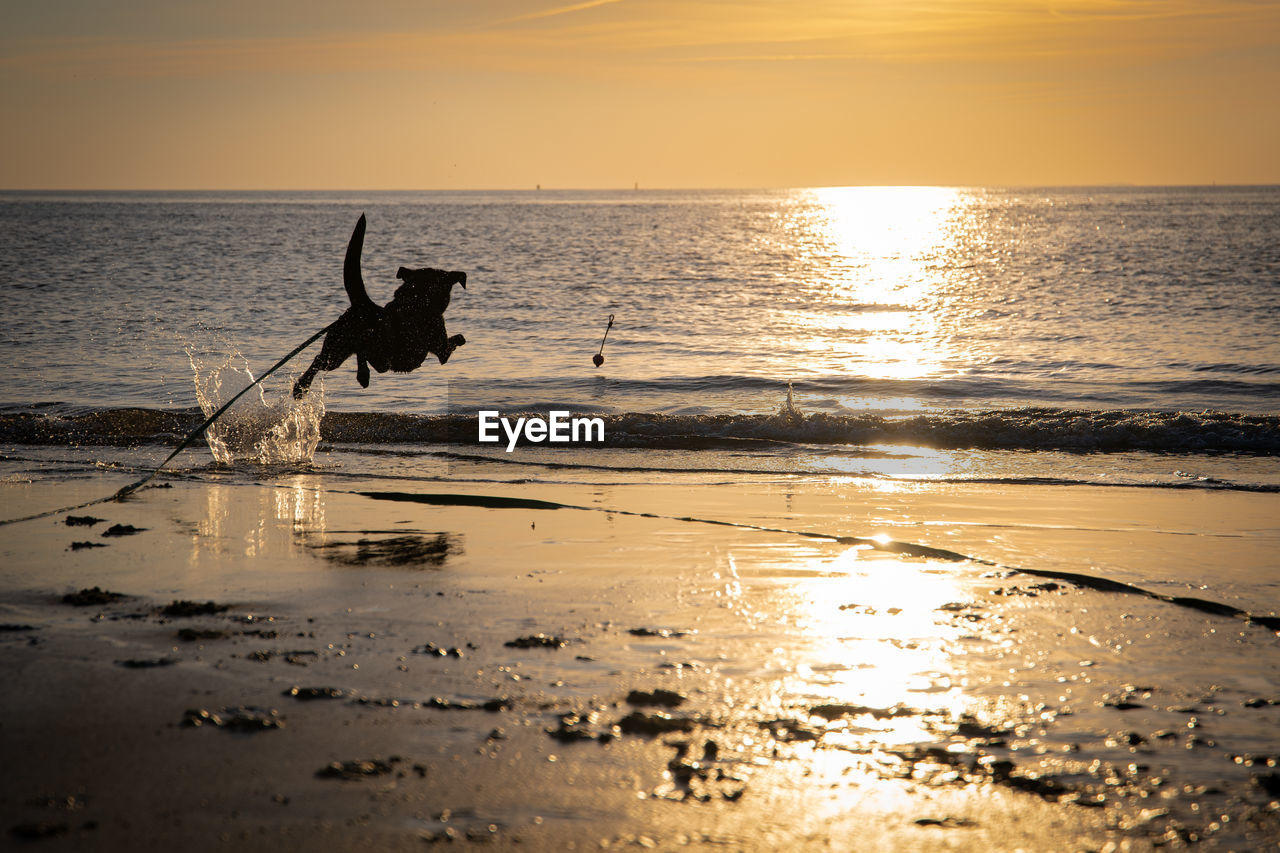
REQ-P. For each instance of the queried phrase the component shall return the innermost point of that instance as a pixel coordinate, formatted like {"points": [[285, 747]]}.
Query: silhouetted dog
{"points": [[397, 337]]}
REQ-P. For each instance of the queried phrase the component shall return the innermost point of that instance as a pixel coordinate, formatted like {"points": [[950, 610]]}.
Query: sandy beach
{"points": [[310, 661]]}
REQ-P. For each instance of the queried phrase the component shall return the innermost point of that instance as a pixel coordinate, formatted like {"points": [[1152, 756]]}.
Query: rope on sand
{"points": [[192, 436]]}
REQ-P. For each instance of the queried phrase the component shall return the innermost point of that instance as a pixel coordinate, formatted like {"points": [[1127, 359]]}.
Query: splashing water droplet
{"points": [[269, 427], [788, 413]]}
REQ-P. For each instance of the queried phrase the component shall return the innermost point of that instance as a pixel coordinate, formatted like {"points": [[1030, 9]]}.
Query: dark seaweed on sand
{"points": [[183, 608], [535, 641], [664, 698], [573, 728], [948, 822], [651, 725], [242, 719], [352, 770], [36, 831], [665, 633], [91, 597], [411, 550], [122, 530], [81, 520], [1269, 782], [437, 651], [192, 635], [493, 706], [306, 694], [834, 711], [146, 663]]}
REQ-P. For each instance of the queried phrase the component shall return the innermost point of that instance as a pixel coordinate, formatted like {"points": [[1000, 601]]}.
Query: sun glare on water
{"points": [[877, 256], [859, 614]]}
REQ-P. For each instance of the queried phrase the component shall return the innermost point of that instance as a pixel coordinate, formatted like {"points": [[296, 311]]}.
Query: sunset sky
{"points": [[397, 94]]}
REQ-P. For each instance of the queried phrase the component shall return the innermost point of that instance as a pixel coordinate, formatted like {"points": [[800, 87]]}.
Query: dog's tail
{"points": [[351, 278]]}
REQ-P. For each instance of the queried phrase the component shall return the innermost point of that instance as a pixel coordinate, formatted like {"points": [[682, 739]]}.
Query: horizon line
{"points": [[637, 188]]}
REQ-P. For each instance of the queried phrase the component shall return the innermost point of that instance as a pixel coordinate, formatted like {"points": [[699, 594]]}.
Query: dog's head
{"points": [[430, 287]]}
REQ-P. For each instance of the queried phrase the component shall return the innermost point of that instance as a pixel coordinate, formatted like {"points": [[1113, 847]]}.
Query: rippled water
{"points": [[1005, 319]]}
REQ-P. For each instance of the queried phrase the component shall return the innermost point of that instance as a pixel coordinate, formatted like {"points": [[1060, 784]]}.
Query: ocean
{"points": [[923, 517], [1126, 336]]}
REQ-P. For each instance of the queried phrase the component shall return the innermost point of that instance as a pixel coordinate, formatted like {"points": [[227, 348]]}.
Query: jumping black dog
{"points": [[396, 337]]}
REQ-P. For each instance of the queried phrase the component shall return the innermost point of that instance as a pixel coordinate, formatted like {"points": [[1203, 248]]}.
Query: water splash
{"points": [[268, 427], [787, 412]]}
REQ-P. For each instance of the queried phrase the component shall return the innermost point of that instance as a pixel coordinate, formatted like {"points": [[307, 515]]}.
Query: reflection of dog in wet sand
{"points": [[397, 337]]}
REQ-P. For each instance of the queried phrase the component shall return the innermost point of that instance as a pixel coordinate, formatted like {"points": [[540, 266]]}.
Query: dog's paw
{"points": [[303, 384], [456, 341]]}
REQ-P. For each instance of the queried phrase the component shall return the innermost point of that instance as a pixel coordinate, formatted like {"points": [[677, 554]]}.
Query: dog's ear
{"points": [[458, 277], [403, 273]]}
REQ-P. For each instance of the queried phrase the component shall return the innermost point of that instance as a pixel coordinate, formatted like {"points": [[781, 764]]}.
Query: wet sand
{"points": [[315, 662]]}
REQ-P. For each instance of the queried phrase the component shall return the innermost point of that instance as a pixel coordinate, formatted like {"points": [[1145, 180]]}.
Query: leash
{"points": [[192, 436]]}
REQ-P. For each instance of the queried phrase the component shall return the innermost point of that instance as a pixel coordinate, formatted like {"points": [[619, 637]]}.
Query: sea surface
{"points": [[800, 391], [1126, 336]]}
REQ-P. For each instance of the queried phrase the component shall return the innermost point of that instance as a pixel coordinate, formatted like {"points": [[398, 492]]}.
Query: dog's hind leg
{"points": [[328, 359], [339, 344], [304, 381]]}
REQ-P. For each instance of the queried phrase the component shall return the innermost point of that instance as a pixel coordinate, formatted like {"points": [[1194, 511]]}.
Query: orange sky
{"points": [[406, 94]]}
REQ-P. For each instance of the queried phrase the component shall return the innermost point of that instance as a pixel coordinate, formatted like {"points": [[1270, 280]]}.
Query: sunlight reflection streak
{"points": [[883, 253]]}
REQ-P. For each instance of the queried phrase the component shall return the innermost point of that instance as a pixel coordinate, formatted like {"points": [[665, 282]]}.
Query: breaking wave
{"points": [[278, 429]]}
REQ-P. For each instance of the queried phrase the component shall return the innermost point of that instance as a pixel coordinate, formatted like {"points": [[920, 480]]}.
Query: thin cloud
{"points": [[110, 57], [642, 39], [560, 10]]}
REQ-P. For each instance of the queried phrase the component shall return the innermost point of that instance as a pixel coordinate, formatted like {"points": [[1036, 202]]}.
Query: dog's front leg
{"points": [[362, 370], [450, 345]]}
